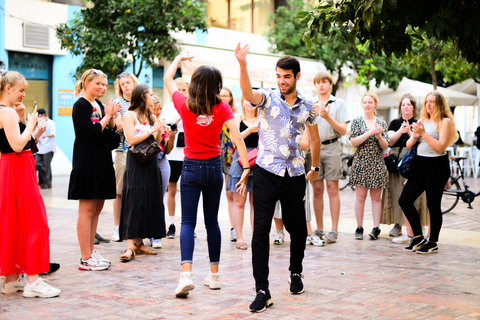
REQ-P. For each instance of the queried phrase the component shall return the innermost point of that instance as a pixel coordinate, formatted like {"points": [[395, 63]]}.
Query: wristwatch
{"points": [[317, 169]]}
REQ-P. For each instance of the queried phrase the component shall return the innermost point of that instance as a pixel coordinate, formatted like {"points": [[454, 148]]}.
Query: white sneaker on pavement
{"points": [[92, 265], [116, 234], [96, 255], [331, 236], [40, 288], [404, 238], [279, 238], [213, 281], [185, 284], [156, 243], [15, 286], [314, 240]]}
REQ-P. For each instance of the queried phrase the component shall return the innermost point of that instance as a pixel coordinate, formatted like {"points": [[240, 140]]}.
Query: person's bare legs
{"points": [[88, 211], [376, 197], [334, 197], [238, 213], [117, 206], [318, 188], [360, 197], [172, 191]]}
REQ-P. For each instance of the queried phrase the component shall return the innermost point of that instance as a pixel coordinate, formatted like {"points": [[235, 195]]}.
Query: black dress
{"points": [[92, 176], [142, 214]]}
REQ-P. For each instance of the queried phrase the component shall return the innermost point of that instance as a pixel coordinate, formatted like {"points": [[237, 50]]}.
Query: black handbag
{"points": [[146, 150], [406, 165], [391, 161]]}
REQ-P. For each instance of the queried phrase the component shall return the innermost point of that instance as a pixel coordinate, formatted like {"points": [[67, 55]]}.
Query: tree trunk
{"points": [[432, 64], [339, 81]]}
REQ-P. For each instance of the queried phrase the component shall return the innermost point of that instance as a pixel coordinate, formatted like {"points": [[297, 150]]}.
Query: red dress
{"points": [[24, 232]]}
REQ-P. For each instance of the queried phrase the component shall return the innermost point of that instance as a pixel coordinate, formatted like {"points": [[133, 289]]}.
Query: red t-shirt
{"points": [[202, 132]]}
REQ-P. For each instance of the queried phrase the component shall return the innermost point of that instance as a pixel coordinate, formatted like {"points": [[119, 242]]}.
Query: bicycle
{"points": [[342, 183], [451, 196]]}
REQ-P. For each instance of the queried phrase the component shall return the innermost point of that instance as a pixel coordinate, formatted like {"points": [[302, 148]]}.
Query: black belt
{"points": [[329, 141]]}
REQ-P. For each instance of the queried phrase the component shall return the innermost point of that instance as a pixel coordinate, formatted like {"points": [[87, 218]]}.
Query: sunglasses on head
{"points": [[3, 72], [123, 74], [96, 71]]}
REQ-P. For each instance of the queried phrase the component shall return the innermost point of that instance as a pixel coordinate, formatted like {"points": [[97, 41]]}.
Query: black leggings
{"points": [[430, 175]]}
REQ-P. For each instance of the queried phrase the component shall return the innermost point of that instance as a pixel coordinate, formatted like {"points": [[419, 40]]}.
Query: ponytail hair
{"points": [[87, 76], [12, 78]]}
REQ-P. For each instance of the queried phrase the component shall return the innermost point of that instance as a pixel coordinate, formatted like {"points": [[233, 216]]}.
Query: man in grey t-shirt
{"points": [[332, 119]]}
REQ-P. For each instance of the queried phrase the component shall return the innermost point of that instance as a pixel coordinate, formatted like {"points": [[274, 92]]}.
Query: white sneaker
{"points": [[213, 281], [156, 243], [40, 288], [279, 238], [331, 237], [12, 287], [404, 238], [314, 240], [116, 234], [185, 284], [92, 265], [233, 235], [96, 255]]}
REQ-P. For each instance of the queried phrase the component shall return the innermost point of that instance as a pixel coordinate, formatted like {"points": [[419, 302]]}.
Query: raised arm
{"points": [[168, 77], [16, 139], [254, 96]]}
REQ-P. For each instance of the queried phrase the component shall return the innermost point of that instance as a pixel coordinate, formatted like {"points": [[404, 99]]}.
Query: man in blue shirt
{"points": [[284, 114]]}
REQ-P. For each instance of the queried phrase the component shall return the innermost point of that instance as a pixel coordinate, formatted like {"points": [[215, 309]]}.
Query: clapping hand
{"points": [[321, 110], [405, 127], [418, 128], [376, 129]]}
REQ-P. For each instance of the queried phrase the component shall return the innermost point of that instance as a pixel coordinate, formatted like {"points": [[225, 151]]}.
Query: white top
{"points": [[170, 114], [48, 144], [424, 149]]}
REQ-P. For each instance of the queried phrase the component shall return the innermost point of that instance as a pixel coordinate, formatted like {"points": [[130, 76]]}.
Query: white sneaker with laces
{"points": [[185, 284], [314, 240], [96, 255], [156, 243], [116, 234], [404, 238], [15, 286], [40, 288], [92, 265], [279, 238], [213, 281]]}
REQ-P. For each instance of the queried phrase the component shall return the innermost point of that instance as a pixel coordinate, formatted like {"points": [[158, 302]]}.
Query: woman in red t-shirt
{"points": [[203, 114]]}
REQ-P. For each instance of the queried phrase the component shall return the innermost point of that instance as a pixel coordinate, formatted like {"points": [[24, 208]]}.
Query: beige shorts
{"points": [[331, 162], [120, 165]]}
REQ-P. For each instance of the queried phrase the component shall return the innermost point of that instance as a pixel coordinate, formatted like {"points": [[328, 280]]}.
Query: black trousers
{"points": [[44, 168], [268, 188], [430, 175]]}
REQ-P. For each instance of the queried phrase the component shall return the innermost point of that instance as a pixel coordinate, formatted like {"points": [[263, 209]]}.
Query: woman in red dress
{"points": [[24, 232]]}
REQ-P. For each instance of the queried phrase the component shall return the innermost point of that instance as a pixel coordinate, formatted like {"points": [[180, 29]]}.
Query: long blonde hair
{"points": [[87, 76], [374, 96], [441, 111]]}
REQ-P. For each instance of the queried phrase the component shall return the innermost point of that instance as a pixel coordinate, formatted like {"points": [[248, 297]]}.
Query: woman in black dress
{"points": [[92, 179], [142, 213]]}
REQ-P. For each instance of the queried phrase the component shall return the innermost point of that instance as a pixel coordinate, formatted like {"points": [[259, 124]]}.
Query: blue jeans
{"points": [[200, 176]]}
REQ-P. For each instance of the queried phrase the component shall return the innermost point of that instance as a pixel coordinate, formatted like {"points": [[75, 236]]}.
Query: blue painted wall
{"points": [[3, 52]]}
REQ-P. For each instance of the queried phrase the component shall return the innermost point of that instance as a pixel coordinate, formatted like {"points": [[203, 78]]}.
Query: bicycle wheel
{"points": [[449, 197], [342, 183]]}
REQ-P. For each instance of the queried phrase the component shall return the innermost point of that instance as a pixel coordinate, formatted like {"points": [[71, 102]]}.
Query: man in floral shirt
{"points": [[284, 115]]}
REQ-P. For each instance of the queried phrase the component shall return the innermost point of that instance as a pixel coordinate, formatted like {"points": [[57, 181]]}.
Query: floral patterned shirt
{"points": [[280, 130]]}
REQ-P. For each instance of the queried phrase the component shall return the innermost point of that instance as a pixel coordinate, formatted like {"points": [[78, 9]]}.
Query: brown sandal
{"points": [[125, 257], [241, 246], [141, 249]]}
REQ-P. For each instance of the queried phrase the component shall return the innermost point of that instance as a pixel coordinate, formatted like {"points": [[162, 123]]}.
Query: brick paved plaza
{"points": [[350, 279]]}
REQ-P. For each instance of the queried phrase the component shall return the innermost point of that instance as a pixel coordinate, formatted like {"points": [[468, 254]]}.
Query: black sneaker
{"points": [[171, 232], [416, 243], [296, 284], [359, 233], [53, 267], [101, 239], [375, 233], [429, 247], [262, 301]]}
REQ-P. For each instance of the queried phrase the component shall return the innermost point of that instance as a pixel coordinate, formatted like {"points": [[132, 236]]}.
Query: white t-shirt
{"points": [[48, 144]]}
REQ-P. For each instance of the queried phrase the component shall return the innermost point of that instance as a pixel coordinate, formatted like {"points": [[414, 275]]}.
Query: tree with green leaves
{"points": [[382, 25], [286, 36], [114, 34]]}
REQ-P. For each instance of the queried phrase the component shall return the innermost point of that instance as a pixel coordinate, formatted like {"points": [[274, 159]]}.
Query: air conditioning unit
{"points": [[36, 36]]}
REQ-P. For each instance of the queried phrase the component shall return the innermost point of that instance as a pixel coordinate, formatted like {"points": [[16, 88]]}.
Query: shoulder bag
{"points": [[252, 158], [146, 150], [391, 161], [406, 165]]}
